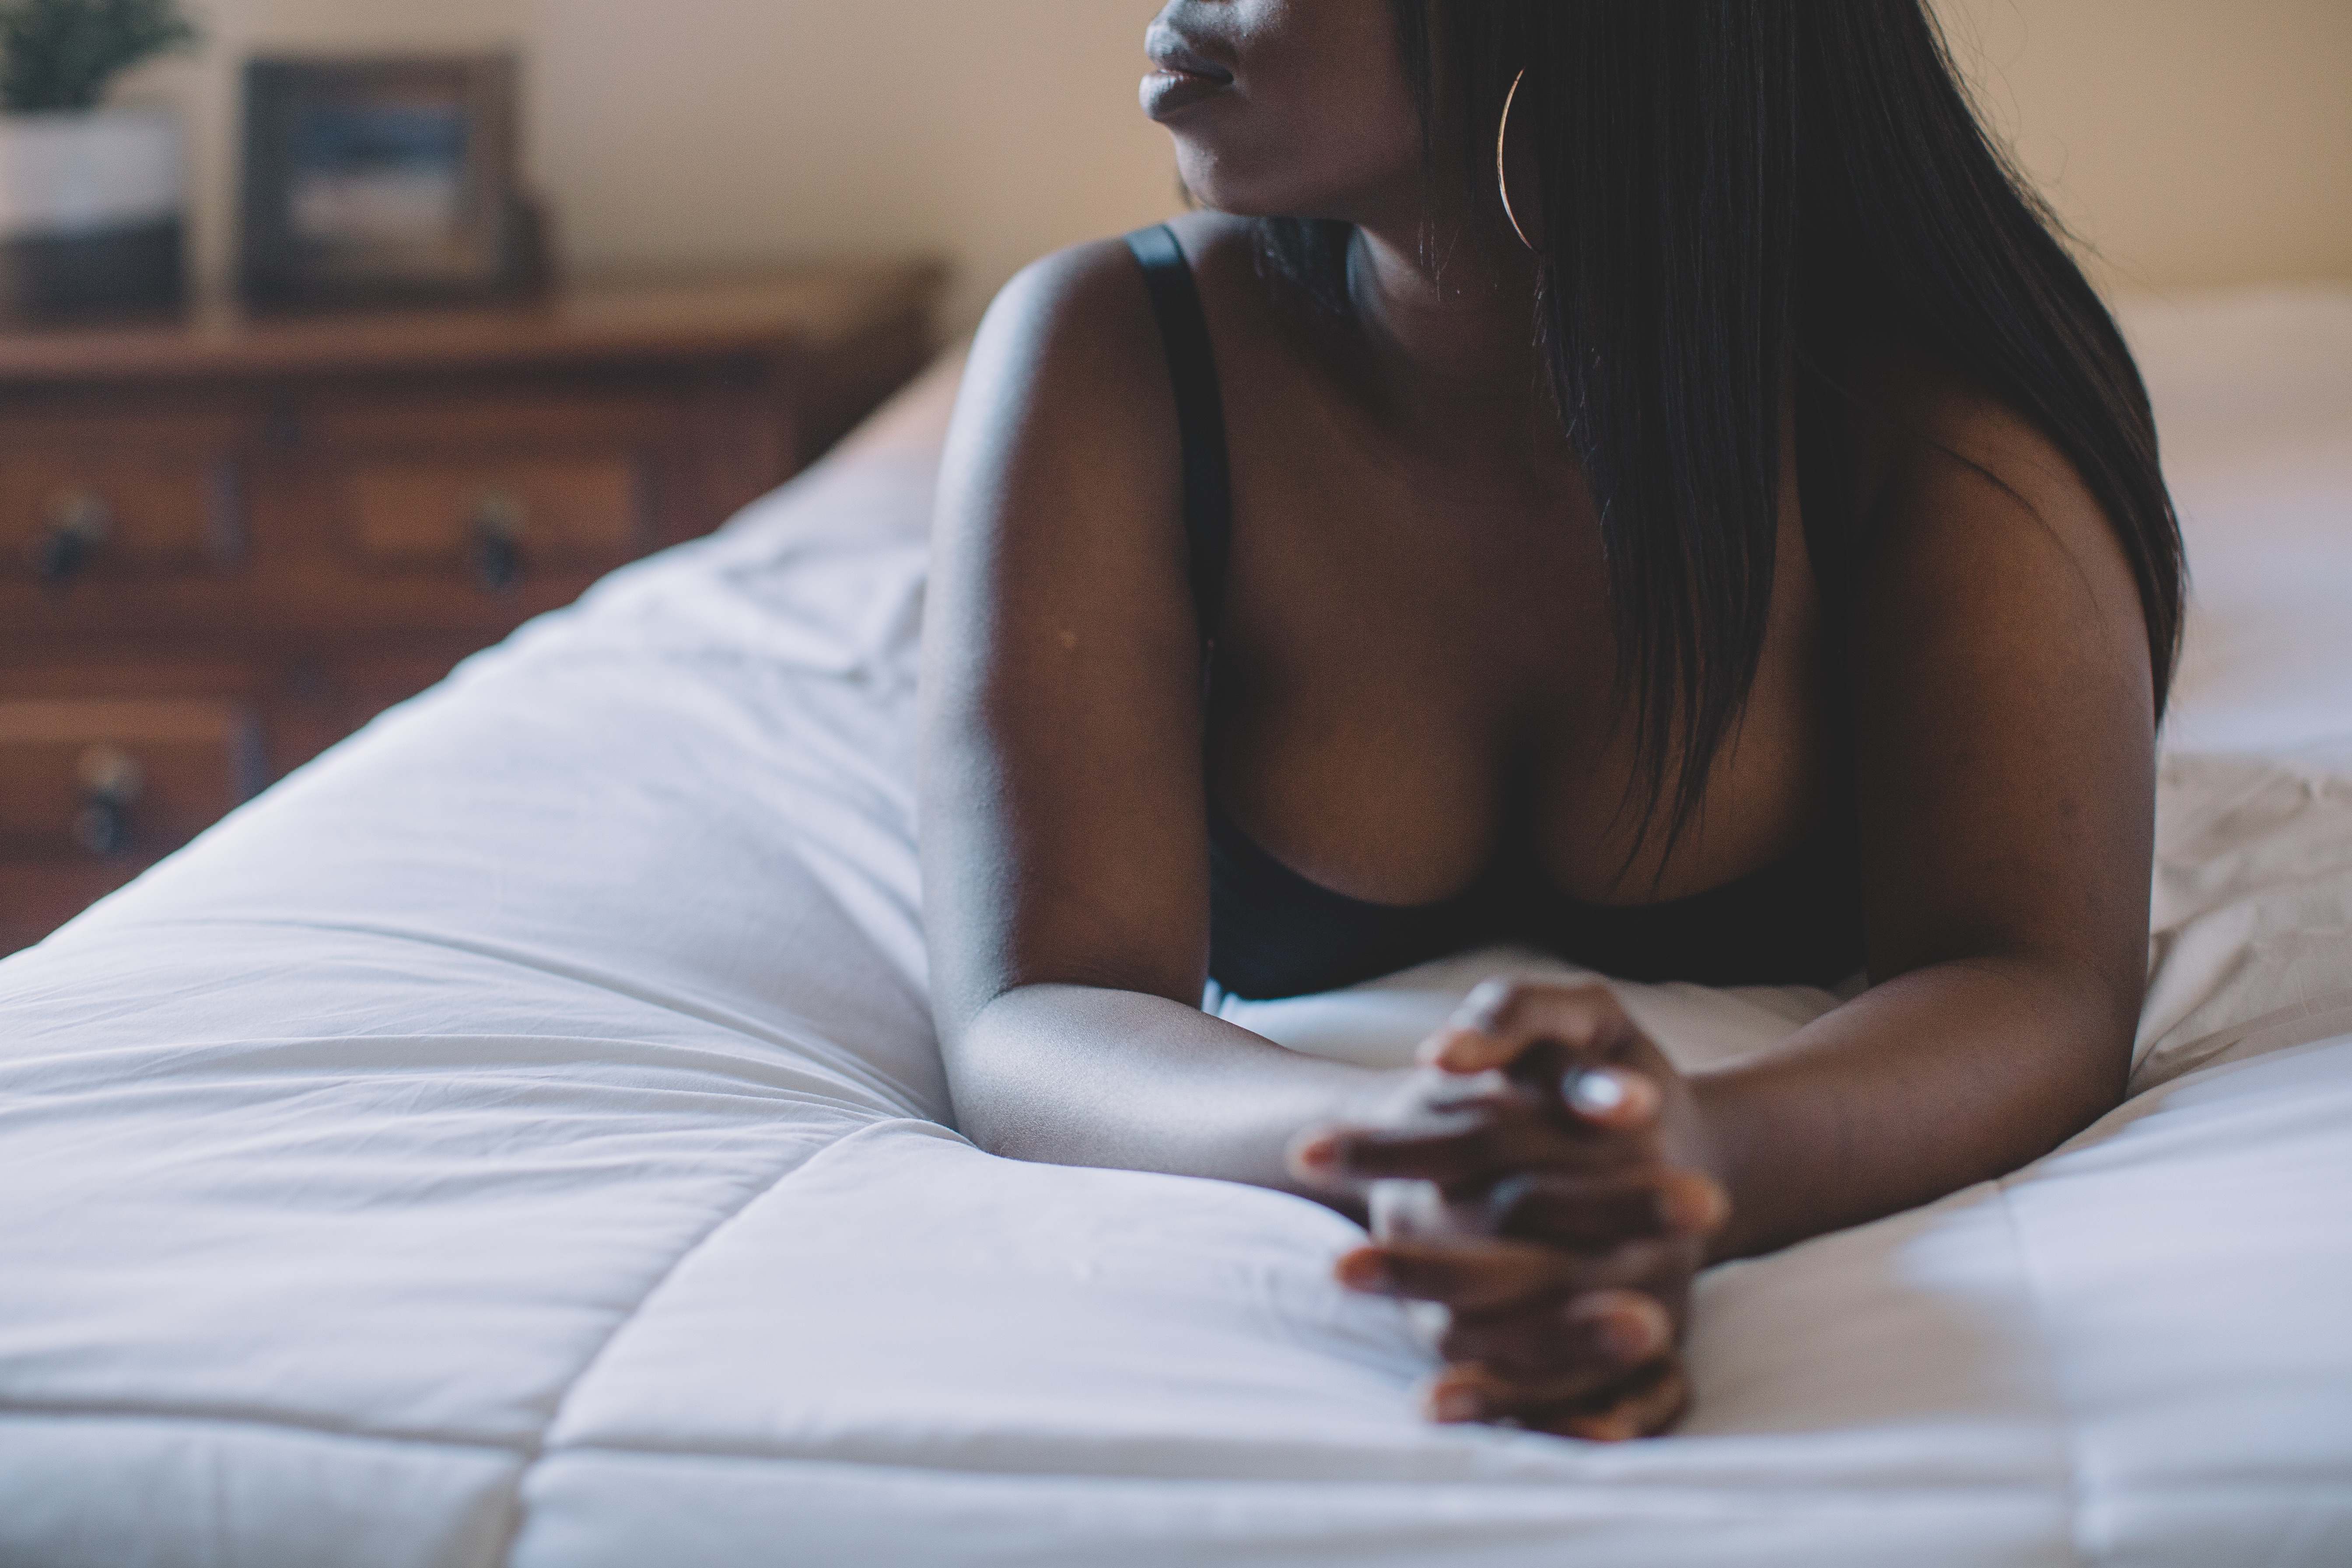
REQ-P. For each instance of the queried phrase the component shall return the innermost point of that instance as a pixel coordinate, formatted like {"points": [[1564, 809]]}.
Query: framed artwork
{"points": [[384, 179]]}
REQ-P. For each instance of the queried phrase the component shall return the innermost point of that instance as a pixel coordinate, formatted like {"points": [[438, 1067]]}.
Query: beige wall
{"points": [[996, 130], [2191, 141]]}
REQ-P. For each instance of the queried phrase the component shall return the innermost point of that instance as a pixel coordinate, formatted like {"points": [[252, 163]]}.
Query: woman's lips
{"points": [[1168, 91], [1185, 76]]}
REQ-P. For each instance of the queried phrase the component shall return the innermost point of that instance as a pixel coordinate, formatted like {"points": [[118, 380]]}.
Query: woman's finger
{"points": [[1612, 1099], [1644, 1405], [1649, 1405], [1469, 1275], [1473, 1151], [1501, 1019], [1476, 1275], [1585, 1211], [1592, 1341], [1604, 1401], [1470, 1393]]}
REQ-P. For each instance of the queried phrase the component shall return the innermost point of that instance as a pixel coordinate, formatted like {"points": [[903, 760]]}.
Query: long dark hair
{"points": [[1734, 192]]}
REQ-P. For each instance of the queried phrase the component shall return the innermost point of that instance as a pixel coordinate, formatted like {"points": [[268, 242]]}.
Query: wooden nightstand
{"points": [[226, 545]]}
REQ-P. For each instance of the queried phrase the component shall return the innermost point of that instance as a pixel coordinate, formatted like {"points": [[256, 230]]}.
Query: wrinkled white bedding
{"points": [[516, 1140]]}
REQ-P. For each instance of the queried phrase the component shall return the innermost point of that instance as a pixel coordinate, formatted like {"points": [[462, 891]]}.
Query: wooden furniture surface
{"points": [[226, 544]]}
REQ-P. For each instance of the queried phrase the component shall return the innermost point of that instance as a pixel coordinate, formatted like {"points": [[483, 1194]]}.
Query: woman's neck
{"points": [[1448, 329]]}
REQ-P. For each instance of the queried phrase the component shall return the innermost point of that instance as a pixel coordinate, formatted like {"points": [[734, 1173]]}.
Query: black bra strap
{"points": [[1200, 418]]}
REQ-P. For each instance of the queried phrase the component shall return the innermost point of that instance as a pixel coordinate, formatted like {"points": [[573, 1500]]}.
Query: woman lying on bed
{"points": [[1723, 543]]}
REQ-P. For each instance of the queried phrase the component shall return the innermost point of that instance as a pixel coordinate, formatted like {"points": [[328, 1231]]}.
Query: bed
{"points": [[518, 1139]]}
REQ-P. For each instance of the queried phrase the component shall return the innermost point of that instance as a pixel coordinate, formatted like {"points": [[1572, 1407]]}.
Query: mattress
{"points": [[519, 1139]]}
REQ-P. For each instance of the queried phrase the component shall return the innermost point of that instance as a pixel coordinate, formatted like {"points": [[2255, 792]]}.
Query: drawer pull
{"points": [[495, 530], [79, 522], [111, 784]]}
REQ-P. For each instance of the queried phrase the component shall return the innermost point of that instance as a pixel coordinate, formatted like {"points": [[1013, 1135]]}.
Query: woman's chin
{"points": [[1215, 186]]}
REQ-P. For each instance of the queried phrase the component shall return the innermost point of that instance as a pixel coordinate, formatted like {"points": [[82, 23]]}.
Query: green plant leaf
{"points": [[61, 54]]}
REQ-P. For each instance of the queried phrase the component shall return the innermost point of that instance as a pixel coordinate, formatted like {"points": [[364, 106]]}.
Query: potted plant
{"points": [[91, 199]]}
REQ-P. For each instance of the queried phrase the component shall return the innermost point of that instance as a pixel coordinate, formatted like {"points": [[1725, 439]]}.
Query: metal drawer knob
{"points": [[495, 532], [111, 783], [79, 522]]}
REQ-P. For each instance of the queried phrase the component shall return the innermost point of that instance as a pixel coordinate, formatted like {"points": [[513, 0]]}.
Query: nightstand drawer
{"points": [[133, 499], [105, 779], [496, 521], [267, 529]]}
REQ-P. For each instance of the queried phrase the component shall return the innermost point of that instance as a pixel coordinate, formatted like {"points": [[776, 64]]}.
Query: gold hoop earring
{"points": [[1502, 165]]}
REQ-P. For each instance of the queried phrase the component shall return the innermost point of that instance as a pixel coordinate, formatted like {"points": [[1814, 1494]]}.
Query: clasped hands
{"points": [[1573, 1205]]}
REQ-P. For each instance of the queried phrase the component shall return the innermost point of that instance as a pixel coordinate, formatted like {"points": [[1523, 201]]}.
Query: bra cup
{"points": [[1275, 933]]}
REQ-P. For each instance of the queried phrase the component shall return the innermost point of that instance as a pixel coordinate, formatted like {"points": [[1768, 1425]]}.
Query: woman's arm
{"points": [[2005, 757], [2002, 698], [1957, 1073], [1065, 852], [2005, 739], [1075, 1075]]}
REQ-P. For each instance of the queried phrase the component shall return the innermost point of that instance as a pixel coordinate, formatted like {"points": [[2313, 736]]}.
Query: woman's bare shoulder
{"points": [[1948, 421], [1085, 311], [1979, 519], [1065, 395], [1942, 453], [1068, 374], [1082, 311]]}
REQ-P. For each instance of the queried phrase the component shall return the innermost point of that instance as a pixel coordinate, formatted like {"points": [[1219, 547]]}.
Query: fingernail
{"points": [[1612, 1427], [1446, 1049], [1479, 1009], [1318, 1153], [1633, 1330], [1627, 1328], [1597, 1092], [1693, 1205], [1464, 1054], [1629, 1337], [1455, 1402], [1366, 1271]]}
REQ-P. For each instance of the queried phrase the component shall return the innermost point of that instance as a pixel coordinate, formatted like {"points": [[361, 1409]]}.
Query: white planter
{"points": [[90, 212]]}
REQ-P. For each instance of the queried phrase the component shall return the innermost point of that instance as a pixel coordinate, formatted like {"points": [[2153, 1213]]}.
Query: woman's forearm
{"points": [[1954, 1074], [1074, 1075]]}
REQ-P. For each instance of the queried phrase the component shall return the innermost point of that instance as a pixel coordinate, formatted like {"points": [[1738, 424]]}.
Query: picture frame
{"points": [[384, 180]]}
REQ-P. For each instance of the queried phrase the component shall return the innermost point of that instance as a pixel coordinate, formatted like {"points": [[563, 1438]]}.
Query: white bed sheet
{"points": [[517, 1139]]}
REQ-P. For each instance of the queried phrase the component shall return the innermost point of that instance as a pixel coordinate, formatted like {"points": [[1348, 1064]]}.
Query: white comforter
{"points": [[518, 1139]]}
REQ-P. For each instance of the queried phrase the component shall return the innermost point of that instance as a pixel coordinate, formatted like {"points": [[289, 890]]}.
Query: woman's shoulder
{"points": [[1067, 413], [1069, 363], [1095, 292], [1971, 502], [1932, 439]]}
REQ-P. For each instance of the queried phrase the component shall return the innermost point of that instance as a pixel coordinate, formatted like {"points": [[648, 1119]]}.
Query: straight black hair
{"points": [[1733, 193]]}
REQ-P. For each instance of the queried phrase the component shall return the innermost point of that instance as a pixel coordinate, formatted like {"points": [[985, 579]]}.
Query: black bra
{"points": [[1274, 932]]}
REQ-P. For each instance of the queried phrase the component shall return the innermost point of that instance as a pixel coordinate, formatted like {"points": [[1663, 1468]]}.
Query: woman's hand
{"points": [[1571, 1198]]}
